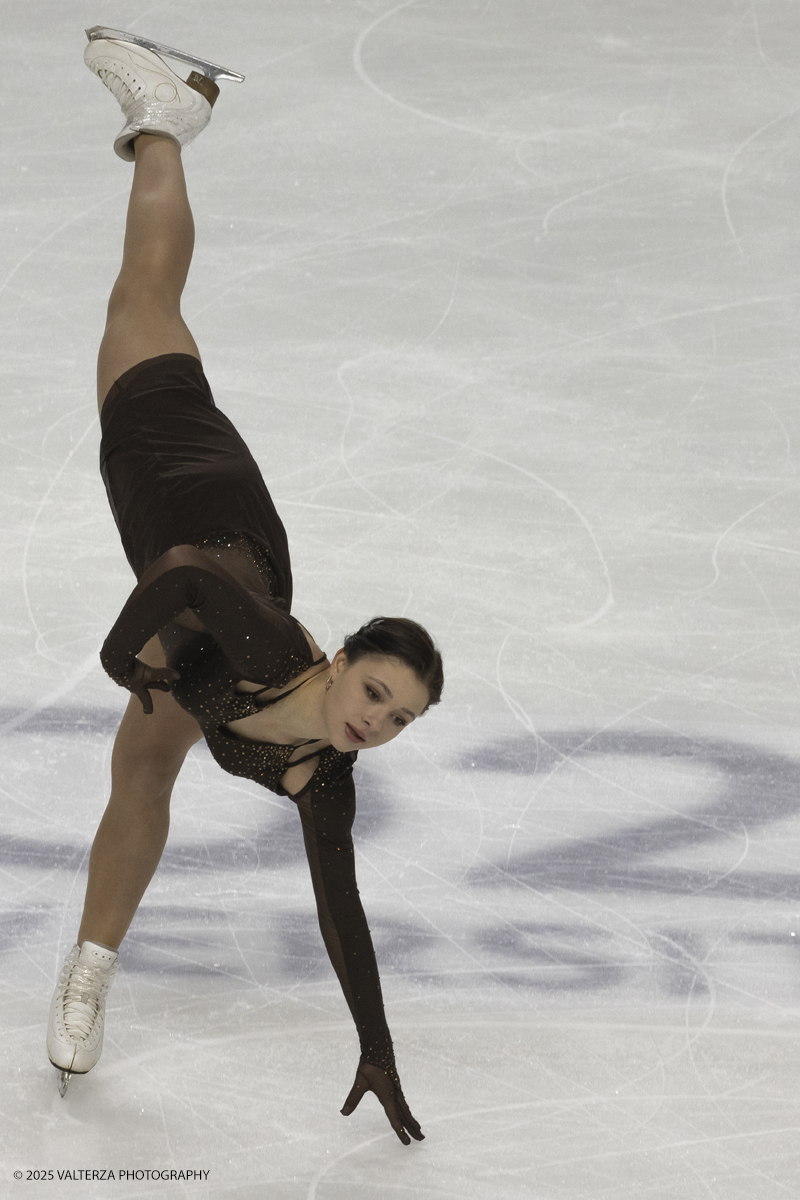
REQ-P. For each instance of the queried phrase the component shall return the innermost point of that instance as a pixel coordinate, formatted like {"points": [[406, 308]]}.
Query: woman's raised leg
{"points": [[144, 310]]}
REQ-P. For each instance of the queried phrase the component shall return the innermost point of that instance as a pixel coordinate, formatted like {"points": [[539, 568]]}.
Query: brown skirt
{"points": [[176, 471]]}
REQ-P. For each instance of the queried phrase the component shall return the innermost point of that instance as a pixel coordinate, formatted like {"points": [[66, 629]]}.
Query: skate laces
{"points": [[86, 989], [119, 89]]}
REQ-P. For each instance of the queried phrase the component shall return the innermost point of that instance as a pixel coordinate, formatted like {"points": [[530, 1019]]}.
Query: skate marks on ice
{"points": [[600, 886], [753, 788], [601, 1109]]}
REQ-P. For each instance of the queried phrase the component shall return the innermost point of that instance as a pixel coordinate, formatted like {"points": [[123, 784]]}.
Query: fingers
{"points": [[409, 1120], [372, 1079], [401, 1133], [392, 1110], [161, 677], [147, 678], [354, 1099], [399, 1115], [383, 1088]]}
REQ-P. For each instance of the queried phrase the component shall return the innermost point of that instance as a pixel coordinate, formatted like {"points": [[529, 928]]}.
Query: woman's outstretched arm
{"points": [[327, 809]]}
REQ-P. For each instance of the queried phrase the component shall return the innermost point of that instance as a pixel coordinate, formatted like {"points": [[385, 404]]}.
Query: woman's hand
{"points": [[372, 1079], [144, 679]]}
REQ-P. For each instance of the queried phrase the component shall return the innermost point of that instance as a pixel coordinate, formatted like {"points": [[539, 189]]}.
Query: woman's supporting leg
{"points": [[148, 754], [144, 311]]}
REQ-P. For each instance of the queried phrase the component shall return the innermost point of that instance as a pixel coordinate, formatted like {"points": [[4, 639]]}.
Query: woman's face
{"points": [[370, 701]]}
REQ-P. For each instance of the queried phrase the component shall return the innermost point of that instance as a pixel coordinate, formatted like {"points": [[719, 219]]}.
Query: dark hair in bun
{"points": [[397, 637]]}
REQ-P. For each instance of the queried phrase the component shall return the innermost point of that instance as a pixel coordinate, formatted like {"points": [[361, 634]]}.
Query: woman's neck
{"points": [[298, 717]]}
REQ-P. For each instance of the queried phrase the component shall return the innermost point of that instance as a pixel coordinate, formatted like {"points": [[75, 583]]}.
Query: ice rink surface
{"points": [[504, 296]]}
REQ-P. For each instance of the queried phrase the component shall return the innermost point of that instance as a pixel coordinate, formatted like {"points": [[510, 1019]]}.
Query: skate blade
{"points": [[63, 1082], [209, 69]]}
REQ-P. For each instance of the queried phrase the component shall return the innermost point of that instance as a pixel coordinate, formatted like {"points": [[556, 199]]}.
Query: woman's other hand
{"points": [[370, 1078], [145, 678]]}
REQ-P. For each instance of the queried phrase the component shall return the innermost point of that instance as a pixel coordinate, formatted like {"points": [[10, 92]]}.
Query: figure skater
{"points": [[205, 643]]}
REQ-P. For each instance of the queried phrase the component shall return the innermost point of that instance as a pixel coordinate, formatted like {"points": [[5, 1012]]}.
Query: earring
{"points": [[328, 683]]}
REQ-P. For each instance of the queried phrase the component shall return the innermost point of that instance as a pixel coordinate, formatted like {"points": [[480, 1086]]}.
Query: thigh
{"points": [[156, 745], [135, 334]]}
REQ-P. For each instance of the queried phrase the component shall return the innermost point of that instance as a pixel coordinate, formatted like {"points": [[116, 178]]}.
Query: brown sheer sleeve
{"points": [[327, 810], [260, 640]]}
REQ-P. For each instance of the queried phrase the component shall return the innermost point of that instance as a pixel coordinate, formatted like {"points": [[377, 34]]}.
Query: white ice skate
{"points": [[152, 97], [77, 1011]]}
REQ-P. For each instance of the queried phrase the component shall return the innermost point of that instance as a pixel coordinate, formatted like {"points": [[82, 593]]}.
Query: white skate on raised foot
{"points": [[77, 1010], [153, 98]]}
